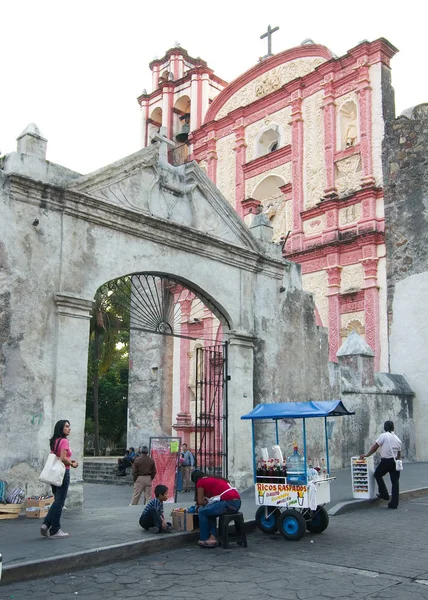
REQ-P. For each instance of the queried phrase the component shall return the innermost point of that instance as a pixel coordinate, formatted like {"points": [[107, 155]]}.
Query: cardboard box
{"points": [[183, 521], [36, 513], [42, 504]]}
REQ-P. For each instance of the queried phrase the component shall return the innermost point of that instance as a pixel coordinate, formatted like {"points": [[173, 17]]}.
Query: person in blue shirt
{"points": [[152, 518], [125, 462], [186, 466]]}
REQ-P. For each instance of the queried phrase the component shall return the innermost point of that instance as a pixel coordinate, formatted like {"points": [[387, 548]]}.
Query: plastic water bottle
{"points": [[295, 466]]}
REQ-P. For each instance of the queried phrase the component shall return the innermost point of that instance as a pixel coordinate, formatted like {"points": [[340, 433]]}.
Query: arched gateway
{"points": [[63, 235]]}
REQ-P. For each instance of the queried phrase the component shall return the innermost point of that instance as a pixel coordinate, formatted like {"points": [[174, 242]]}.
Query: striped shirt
{"points": [[154, 503]]}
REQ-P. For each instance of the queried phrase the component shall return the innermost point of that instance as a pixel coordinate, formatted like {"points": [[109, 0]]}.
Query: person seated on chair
{"points": [[125, 462], [214, 497], [152, 518]]}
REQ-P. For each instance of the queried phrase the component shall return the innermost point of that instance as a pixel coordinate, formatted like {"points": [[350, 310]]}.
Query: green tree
{"points": [[109, 330]]}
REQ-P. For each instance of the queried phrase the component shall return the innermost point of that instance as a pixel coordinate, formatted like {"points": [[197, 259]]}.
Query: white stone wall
{"points": [[408, 344]]}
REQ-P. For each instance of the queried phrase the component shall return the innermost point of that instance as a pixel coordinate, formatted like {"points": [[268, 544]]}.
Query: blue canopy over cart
{"points": [[293, 501]]}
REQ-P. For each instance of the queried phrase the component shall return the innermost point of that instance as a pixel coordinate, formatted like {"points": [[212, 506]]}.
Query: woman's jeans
{"points": [[208, 516], [387, 465], [53, 518]]}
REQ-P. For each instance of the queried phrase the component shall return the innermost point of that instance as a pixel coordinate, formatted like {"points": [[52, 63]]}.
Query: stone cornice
{"points": [[73, 306], [322, 249], [268, 161], [126, 220]]}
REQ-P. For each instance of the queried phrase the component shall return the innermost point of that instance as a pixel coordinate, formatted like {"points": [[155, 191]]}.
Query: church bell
{"points": [[185, 129]]}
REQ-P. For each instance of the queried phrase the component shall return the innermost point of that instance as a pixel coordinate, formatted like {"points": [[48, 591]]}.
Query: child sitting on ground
{"points": [[152, 518]]}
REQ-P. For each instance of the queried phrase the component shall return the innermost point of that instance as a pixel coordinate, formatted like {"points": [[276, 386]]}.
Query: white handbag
{"points": [[398, 461], [53, 471]]}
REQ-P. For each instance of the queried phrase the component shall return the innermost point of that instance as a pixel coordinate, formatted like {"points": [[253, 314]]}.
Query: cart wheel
{"points": [[267, 524], [319, 521], [291, 525]]}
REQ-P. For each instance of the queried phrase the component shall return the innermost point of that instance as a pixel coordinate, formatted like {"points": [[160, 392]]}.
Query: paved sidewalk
{"points": [[107, 528]]}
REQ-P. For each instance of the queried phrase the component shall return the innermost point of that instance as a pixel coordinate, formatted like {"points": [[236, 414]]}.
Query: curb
{"points": [[351, 505], [64, 563]]}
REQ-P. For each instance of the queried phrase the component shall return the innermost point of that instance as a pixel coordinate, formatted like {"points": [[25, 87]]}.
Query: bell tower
{"points": [[183, 88]]}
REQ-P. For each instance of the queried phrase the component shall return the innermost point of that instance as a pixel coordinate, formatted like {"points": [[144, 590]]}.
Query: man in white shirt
{"points": [[390, 451]]}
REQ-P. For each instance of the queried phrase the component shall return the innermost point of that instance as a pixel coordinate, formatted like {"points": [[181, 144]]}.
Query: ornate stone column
{"points": [[329, 106], [333, 291], [240, 401], [371, 306], [365, 105], [297, 169], [212, 156], [183, 425], [240, 157], [70, 378]]}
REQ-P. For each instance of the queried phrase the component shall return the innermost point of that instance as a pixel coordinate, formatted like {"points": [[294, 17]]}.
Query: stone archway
{"points": [[64, 235]]}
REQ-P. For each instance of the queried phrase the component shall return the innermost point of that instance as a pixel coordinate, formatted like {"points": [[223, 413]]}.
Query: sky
{"points": [[76, 68]]}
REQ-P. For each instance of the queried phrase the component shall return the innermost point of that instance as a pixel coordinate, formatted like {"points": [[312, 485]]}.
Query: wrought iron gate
{"points": [[211, 409]]}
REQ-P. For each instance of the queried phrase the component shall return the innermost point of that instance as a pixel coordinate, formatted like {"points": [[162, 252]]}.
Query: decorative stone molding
{"points": [[269, 82], [348, 179], [226, 168], [73, 306], [315, 180]]}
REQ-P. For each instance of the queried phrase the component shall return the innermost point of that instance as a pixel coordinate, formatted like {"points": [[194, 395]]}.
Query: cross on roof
{"points": [[164, 143], [268, 34]]}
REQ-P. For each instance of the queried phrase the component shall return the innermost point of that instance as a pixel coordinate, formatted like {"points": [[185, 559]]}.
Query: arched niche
{"points": [[353, 325], [348, 130], [268, 191], [155, 122], [181, 120], [269, 139]]}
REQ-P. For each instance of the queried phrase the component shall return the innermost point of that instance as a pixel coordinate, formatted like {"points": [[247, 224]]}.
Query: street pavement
{"points": [[107, 528], [365, 554]]}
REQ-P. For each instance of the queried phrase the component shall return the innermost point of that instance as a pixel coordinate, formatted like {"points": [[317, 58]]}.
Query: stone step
{"points": [[104, 473]]}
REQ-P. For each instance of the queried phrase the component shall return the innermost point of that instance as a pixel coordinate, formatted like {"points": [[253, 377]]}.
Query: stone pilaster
{"points": [[240, 402], [333, 291], [70, 378], [297, 170], [329, 106], [240, 156], [365, 107], [371, 306]]}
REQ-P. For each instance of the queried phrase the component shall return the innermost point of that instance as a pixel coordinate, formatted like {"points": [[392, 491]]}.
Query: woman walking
{"points": [[214, 496], [59, 445]]}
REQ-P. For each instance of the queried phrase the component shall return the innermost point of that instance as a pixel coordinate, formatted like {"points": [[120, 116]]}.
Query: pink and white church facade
{"points": [[299, 135]]}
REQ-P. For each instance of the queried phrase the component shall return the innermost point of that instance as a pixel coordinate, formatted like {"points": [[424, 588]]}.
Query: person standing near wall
{"points": [[187, 465], [390, 451], [59, 445], [143, 472]]}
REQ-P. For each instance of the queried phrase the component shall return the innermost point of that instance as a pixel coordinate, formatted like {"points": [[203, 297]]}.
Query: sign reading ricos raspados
{"points": [[277, 494]]}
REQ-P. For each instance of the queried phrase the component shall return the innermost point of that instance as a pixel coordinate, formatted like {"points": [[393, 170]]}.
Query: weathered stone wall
{"points": [[406, 218]]}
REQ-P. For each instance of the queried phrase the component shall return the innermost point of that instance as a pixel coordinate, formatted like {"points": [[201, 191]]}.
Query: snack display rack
{"points": [[362, 470]]}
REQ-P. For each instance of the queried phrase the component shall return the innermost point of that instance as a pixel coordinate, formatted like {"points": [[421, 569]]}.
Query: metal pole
{"points": [[254, 451], [276, 431], [326, 446], [304, 449], [225, 409]]}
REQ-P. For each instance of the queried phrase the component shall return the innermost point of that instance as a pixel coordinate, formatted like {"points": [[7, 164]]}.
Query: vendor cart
{"points": [[293, 502]]}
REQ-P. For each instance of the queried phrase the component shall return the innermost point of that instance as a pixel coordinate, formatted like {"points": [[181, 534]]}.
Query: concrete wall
{"points": [[406, 216]]}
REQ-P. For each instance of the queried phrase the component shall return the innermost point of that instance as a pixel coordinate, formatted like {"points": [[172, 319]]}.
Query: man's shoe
{"points": [[59, 535], [153, 530], [44, 530], [389, 506]]}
